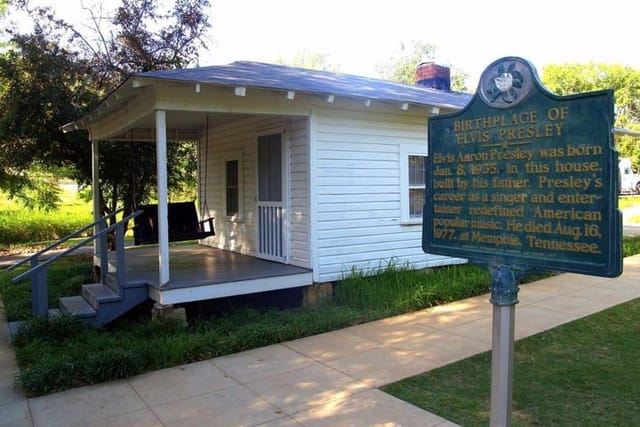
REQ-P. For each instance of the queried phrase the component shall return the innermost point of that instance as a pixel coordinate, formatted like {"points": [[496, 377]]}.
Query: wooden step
{"points": [[77, 306], [111, 280], [98, 293]]}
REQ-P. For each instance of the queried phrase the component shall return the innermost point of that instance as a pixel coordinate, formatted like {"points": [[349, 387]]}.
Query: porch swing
{"points": [[183, 220]]}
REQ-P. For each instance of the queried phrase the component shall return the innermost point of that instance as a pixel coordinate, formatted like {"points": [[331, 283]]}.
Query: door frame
{"points": [[285, 202]]}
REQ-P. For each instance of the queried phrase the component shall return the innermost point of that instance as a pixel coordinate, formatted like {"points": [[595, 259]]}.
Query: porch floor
{"points": [[198, 272]]}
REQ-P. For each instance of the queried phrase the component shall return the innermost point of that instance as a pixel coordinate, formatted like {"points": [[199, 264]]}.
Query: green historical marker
{"points": [[519, 180], [525, 178]]}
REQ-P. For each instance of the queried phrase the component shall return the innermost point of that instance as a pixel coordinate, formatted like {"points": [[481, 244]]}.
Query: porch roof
{"points": [[282, 77], [265, 76]]}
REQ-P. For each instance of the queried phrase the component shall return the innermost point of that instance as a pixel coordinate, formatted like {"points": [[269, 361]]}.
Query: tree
{"points": [[42, 87], [57, 73], [459, 80], [401, 67], [566, 79], [308, 59]]}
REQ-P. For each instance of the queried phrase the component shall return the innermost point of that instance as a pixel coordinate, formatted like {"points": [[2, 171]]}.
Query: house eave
{"points": [[625, 132], [142, 87]]}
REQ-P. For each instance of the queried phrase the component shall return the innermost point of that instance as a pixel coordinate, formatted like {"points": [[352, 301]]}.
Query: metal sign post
{"points": [[504, 297], [523, 179]]}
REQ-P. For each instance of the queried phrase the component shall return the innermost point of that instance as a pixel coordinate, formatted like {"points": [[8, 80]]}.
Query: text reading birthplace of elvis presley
{"points": [[535, 180]]}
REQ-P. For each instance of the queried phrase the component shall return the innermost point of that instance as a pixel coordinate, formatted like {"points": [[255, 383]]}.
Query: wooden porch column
{"points": [[163, 219]]}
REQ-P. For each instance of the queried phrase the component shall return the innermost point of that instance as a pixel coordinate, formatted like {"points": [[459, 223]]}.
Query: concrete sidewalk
{"points": [[324, 380]]}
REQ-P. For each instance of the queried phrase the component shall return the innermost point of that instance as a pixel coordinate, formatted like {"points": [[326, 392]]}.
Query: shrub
{"points": [[395, 289], [65, 277], [53, 330]]}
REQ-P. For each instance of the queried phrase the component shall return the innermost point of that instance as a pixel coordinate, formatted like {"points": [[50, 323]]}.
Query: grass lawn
{"points": [[625, 202], [585, 373], [62, 353], [26, 229]]}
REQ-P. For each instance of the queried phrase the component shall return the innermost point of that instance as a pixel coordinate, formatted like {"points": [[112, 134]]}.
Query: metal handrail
{"points": [[77, 245], [64, 239]]}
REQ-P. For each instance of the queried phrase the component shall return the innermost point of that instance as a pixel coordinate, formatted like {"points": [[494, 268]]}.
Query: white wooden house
{"points": [[314, 169]]}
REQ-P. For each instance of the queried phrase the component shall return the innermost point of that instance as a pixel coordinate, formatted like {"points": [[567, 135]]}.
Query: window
{"points": [[416, 186], [412, 184], [270, 168], [232, 188], [232, 165]]}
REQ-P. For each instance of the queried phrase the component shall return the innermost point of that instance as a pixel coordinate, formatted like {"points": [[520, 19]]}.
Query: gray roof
{"points": [[272, 76]]}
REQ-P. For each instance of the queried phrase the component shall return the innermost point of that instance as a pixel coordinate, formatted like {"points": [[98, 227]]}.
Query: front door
{"points": [[271, 200]]}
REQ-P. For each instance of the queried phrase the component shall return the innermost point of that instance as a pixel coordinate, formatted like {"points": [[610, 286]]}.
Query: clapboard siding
{"points": [[300, 251], [356, 189], [239, 138], [358, 193], [348, 198]]}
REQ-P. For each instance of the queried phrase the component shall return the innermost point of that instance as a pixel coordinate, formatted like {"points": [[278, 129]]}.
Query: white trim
{"points": [[220, 290], [95, 186], [285, 150], [312, 137], [163, 219], [405, 152], [286, 188]]}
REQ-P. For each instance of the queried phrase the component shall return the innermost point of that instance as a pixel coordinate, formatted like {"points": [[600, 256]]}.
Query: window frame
{"points": [[234, 157], [405, 187]]}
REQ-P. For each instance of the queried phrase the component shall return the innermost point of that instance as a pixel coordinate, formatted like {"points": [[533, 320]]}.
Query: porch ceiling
{"points": [[181, 125]]}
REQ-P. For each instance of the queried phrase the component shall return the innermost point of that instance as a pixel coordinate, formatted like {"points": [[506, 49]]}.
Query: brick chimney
{"points": [[431, 75]]}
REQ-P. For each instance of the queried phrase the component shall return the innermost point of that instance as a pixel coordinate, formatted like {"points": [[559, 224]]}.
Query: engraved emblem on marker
{"points": [[506, 83]]}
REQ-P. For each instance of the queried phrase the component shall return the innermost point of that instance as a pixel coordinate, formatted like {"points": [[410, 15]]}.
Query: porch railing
{"points": [[38, 270]]}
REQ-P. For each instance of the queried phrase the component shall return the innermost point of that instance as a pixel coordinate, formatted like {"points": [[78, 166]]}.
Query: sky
{"points": [[469, 35], [359, 35]]}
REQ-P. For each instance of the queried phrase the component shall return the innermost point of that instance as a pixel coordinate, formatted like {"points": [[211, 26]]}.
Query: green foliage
{"points": [[51, 331], [401, 67], [630, 246], [57, 73], [43, 88], [65, 278], [628, 202], [76, 355], [459, 80], [584, 373], [573, 78], [396, 289], [308, 59], [60, 353], [628, 146], [20, 225], [183, 158], [566, 79]]}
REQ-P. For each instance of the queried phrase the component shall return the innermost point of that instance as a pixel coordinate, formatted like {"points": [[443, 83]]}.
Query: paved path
{"points": [[323, 380]]}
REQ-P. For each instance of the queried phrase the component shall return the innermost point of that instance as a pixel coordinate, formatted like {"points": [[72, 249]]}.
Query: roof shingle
{"points": [[273, 76]]}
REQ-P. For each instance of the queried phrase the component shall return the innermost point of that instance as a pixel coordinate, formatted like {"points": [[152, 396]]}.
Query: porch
{"points": [[199, 272]]}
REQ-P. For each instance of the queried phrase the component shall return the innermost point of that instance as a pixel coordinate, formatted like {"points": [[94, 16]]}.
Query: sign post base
{"points": [[504, 297]]}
